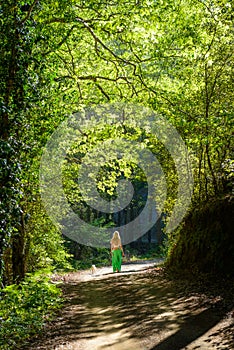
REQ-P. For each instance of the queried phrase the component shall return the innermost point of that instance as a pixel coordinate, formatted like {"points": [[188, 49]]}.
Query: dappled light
{"points": [[130, 311], [116, 120]]}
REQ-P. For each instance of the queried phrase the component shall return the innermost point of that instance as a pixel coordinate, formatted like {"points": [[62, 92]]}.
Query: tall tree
{"points": [[56, 56], [16, 46]]}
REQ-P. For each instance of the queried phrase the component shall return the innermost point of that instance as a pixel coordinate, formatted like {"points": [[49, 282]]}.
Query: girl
{"points": [[116, 252]]}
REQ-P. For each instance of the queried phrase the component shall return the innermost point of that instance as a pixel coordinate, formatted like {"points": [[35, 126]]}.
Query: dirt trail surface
{"points": [[137, 309]]}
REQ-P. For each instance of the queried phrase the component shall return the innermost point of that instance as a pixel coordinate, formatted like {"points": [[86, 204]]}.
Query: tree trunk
{"points": [[13, 79], [18, 253]]}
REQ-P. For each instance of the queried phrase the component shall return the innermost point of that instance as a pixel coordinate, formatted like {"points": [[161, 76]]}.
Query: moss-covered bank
{"points": [[205, 241]]}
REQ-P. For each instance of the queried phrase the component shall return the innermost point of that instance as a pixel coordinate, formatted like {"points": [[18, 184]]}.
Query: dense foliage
{"points": [[25, 309], [56, 57]]}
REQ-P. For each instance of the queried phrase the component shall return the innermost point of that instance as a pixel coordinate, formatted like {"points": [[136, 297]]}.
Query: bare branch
{"points": [[80, 91], [103, 91], [64, 77], [67, 36], [96, 77], [98, 40], [72, 58], [29, 12]]}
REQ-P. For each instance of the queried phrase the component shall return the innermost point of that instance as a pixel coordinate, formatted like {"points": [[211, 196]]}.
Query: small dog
{"points": [[93, 269]]}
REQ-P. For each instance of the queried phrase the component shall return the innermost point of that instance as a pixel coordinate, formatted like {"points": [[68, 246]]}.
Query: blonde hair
{"points": [[116, 238]]}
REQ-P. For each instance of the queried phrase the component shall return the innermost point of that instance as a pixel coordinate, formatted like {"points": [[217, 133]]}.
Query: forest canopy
{"points": [[58, 57]]}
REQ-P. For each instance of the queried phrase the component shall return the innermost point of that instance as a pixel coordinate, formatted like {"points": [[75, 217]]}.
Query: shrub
{"points": [[24, 308]]}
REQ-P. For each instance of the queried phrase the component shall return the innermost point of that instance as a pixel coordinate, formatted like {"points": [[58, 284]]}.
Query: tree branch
{"points": [[98, 40], [103, 91], [29, 12]]}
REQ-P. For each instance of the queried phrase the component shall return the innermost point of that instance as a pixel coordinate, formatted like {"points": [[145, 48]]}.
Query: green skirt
{"points": [[116, 259]]}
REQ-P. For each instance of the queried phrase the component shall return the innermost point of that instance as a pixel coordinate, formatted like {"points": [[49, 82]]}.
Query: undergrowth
{"points": [[25, 308]]}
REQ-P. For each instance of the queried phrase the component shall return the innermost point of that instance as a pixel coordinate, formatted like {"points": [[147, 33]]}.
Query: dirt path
{"points": [[137, 309]]}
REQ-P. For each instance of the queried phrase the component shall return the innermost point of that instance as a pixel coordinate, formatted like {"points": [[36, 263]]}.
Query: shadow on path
{"points": [[128, 312], [193, 328]]}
